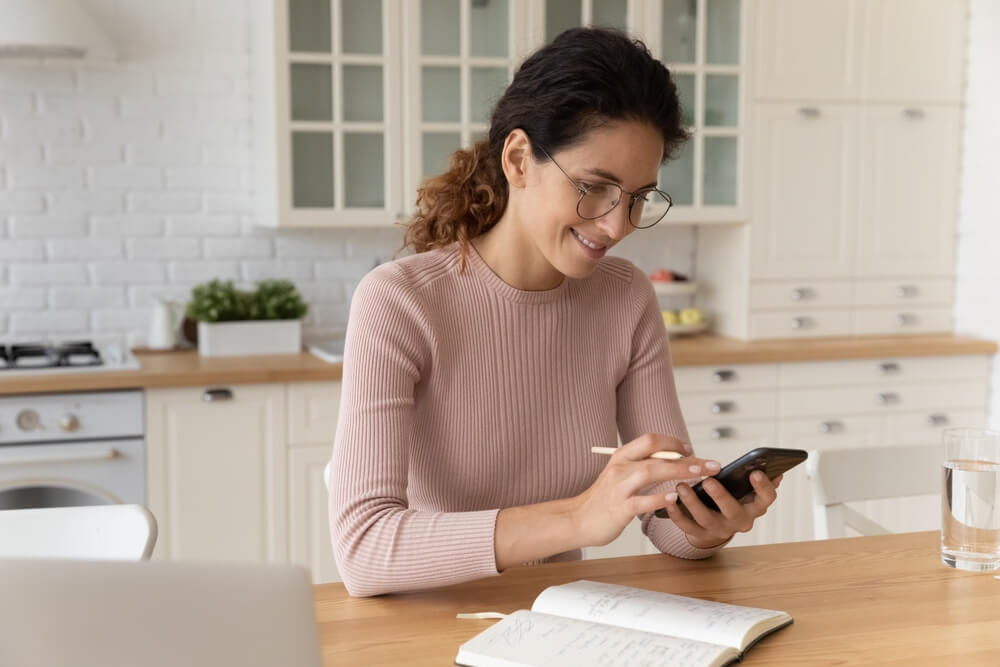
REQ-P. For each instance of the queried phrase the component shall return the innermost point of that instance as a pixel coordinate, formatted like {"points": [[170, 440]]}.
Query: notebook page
{"points": [[651, 611], [529, 638]]}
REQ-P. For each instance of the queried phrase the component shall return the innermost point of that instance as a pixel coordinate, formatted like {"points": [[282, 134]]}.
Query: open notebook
{"points": [[587, 623]]}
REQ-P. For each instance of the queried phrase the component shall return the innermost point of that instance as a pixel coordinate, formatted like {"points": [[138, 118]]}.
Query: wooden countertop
{"points": [[187, 368], [856, 601]]}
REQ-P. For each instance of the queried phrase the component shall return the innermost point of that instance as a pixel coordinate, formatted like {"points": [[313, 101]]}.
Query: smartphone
{"points": [[735, 476]]}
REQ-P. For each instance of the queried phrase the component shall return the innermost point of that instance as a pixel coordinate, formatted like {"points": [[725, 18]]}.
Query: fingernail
{"points": [[671, 497], [688, 448], [758, 476], [695, 469], [712, 465]]}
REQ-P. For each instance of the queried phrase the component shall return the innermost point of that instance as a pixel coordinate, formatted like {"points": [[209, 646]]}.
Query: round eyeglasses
{"points": [[598, 199]]}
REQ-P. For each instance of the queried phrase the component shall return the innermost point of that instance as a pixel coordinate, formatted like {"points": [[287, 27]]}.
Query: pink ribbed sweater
{"points": [[463, 395]]}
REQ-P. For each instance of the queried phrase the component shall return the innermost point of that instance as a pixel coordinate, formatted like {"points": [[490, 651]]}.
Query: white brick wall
{"points": [[977, 309], [128, 180]]}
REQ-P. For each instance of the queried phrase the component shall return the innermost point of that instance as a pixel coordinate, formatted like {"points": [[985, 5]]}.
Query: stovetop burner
{"points": [[72, 354]]}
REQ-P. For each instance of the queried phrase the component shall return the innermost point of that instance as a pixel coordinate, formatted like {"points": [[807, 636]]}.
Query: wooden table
{"points": [[859, 601]]}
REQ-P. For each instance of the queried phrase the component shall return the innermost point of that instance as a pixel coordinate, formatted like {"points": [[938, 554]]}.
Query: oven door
{"points": [[69, 474]]}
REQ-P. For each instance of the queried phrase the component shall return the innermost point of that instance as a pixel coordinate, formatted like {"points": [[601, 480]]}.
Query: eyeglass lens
{"points": [[601, 199]]}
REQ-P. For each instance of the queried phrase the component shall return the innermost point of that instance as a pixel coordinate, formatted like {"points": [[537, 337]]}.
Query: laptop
{"points": [[155, 614]]}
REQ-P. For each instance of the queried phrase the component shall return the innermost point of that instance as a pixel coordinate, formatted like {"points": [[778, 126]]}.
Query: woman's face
{"points": [[626, 153]]}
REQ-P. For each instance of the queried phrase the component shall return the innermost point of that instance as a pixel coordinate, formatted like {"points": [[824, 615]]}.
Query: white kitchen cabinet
{"points": [[328, 119], [908, 189], [924, 60], [805, 208], [308, 525], [807, 49], [216, 471]]}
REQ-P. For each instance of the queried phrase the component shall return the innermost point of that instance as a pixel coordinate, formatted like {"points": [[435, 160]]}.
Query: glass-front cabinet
{"points": [[361, 100]]}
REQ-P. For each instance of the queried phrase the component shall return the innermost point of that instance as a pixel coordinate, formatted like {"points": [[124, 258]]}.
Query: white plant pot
{"points": [[250, 337]]}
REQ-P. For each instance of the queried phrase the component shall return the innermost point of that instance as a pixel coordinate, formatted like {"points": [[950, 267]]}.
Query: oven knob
{"points": [[69, 423], [28, 420]]}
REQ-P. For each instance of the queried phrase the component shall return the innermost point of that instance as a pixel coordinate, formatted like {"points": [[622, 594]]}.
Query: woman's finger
{"points": [[729, 506]]}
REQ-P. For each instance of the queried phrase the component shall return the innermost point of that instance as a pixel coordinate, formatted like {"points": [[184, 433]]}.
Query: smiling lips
{"points": [[592, 245]]}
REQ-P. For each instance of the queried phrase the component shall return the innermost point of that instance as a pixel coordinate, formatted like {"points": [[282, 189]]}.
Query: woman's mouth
{"points": [[592, 249]]}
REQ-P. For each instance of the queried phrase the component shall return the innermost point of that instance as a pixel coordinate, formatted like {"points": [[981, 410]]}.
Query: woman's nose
{"points": [[615, 224]]}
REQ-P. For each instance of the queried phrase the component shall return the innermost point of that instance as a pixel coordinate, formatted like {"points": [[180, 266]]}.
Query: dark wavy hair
{"points": [[583, 79]]}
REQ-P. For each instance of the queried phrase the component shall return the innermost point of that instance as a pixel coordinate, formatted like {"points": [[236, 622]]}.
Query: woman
{"points": [[479, 371]]}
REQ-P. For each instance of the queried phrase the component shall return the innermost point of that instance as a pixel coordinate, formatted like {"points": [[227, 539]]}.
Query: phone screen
{"points": [[735, 476]]}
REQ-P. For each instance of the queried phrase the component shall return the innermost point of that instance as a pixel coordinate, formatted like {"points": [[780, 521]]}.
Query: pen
{"points": [[667, 456]]}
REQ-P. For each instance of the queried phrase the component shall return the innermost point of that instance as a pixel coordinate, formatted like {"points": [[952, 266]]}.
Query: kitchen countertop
{"points": [[186, 368]]}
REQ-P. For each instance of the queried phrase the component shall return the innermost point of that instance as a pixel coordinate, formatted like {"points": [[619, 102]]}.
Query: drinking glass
{"points": [[970, 499]]}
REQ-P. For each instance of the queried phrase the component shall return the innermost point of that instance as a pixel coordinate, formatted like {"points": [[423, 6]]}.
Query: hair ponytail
{"points": [[461, 203]]}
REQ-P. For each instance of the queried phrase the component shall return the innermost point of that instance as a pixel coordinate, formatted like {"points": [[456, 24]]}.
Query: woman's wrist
{"points": [[533, 532]]}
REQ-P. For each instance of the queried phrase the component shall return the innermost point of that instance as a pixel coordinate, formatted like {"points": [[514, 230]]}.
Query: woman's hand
{"points": [[706, 528], [602, 511]]}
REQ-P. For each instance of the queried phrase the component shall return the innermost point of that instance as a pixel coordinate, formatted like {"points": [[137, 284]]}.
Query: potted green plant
{"points": [[233, 322]]}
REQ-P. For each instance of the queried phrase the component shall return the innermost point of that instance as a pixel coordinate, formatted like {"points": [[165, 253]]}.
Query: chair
{"points": [[867, 473], [99, 532]]}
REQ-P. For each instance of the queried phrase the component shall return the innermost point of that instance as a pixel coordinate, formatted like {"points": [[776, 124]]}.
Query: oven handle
{"points": [[64, 455]]}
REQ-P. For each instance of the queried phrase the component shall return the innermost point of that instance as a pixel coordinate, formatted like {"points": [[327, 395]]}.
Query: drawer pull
{"points": [[906, 319], [938, 420], [914, 113], [720, 407], [889, 368], [809, 112], [802, 322], [907, 291], [888, 398], [212, 395], [722, 432], [724, 375], [831, 427], [802, 293]]}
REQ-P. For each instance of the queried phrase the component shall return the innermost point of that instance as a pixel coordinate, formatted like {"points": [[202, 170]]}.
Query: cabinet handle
{"points": [[724, 375], [802, 293], [809, 112], [888, 368], [831, 426], [720, 407], [937, 419], [906, 291], [802, 322], [914, 113], [888, 398], [212, 395], [905, 319], [722, 432]]}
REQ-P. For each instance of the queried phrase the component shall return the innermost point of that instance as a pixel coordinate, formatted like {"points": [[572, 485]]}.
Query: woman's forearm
{"points": [[534, 532]]}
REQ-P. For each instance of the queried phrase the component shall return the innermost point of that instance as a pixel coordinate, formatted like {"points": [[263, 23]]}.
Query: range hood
{"points": [[50, 29]]}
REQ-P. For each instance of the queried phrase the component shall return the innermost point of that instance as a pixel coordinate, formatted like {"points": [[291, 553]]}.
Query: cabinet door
{"points": [[914, 50], [459, 57], [312, 412], [908, 190], [806, 49], [805, 194], [309, 529], [337, 112], [216, 471]]}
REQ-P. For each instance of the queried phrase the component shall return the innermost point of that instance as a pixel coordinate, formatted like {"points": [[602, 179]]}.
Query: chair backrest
{"points": [[98, 532], [867, 473]]}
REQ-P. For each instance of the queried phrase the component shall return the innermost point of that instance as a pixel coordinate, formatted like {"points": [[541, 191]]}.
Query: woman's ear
{"points": [[516, 157]]}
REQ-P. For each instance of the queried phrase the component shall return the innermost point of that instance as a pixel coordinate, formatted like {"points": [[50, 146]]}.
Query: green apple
{"points": [[670, 318]]}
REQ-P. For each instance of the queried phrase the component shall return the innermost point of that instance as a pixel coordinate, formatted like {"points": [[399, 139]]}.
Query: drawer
{"points": [[726, 441], [312, 412], [725, 378], [881, 398], [904, 292], [800, 295], [902, 320], [924, 428], [718, 407], [880, 371], [804, 324], [831, 432]]}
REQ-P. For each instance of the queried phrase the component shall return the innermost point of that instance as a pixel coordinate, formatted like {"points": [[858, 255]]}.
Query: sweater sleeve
{"points": [[648, 403], [381, 544]]}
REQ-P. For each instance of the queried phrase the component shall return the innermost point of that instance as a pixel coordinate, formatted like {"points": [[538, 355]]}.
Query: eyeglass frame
{"points": [[633, 196]]}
